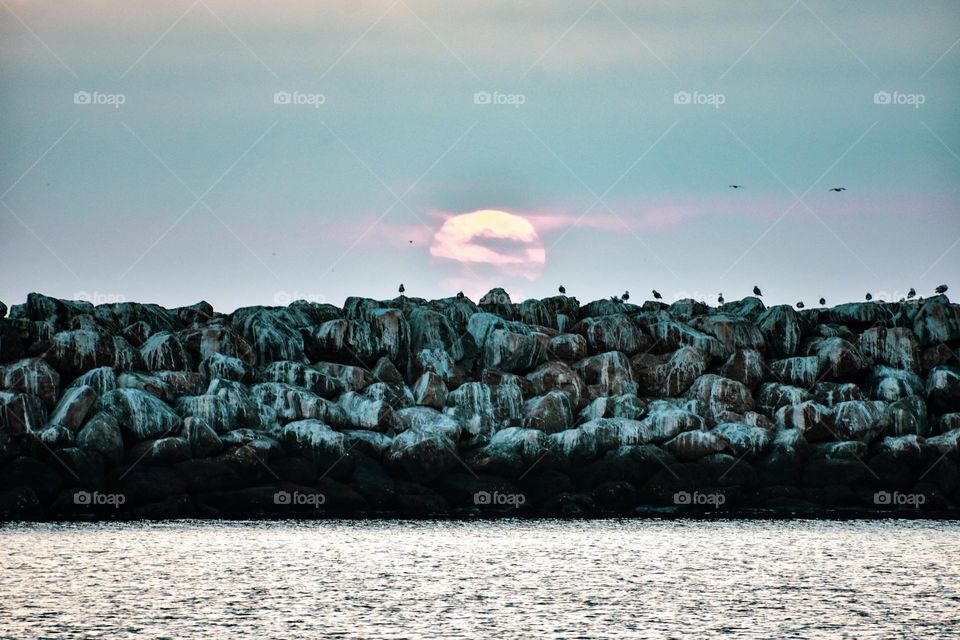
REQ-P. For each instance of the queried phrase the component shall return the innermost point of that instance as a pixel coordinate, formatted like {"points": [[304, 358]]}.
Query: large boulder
{"points": [[671, 374], [73, 407], [733, 331], [890, 384], [483, 408], [568, 347], [73, 352], [216, 412], [666, 419], [897, 347], [366, 413], [936, 322], [773, 396], [670, 335], [510, 452], [810, 418], [102, 435], [21, 413], [796, 371], [839, 359], [141, 415], [623, 406], [782, 330], [858, 420], [559, 376], [301, 375], [743, 439], [607, 374], [270, 335], [163, 352], [694, 445], [550, 413], [430, 391], [422, 455], [943, 389], [33, 376], [746, 366], [611, 333], [720, 399], [513, 351], [314, 440]]}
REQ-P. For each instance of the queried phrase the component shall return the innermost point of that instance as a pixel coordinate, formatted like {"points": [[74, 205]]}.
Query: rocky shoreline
{"points": [[416, 408]]}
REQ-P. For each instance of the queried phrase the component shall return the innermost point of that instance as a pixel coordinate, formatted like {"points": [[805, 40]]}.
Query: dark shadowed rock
{"points": [[746, 366], [203, 439], [720, 397], [693, 445], [421, 454], [733, 331], [611, 333], [217, 365], [21, 413], [568, 347], [33, 376], [72, 409], [550, 413], [102, 435], [140, 415], [430, 391], [943, 389], [624, 406], [163, 352], [559, 376], [781, 327], [796, 371], [896, 347], [607, 374], [74, 352], [668, 374], [937, 322]]}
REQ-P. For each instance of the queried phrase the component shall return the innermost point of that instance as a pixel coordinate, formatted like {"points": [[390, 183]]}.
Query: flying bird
{"points": [[800, 305], [941, 289], [563, 290], [837, 189], [823, 301], [756, 291], [625, 296], [735, 186], [656, 295], [911, 294], [720, 299], [401, 289], [869, 297]]}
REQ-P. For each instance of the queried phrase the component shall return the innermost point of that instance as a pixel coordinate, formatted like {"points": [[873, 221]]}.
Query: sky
{"points": [[255, 153]]}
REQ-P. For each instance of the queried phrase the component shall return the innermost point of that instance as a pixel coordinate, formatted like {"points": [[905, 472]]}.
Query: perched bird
{"points": [[656, 295], [823, 301], [911, 294], [625, 296], [410, 241], [615, 298], [800, 305], [563, 290], [941, 289], [460, 295], [869, 297], [401, 289], [735, 186], [756, 291], [838, 189], [720, 299]]}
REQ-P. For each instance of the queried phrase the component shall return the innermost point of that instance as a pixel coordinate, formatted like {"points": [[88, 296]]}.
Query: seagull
{"points": [[615, 298], [735, 186], [756, 291], [401, 289], [823, 301], [941, 289], [563, 290], [460, 295], [625, 296], [869, 297], [656, 295], [720, 299], [911, 294], [837, 189], [410, 241], [800, 305]]}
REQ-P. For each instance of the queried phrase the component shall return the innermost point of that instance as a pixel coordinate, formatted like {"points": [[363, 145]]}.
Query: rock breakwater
{"points": [[417, 407]]}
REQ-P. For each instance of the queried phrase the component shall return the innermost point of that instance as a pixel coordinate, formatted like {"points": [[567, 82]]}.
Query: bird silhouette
{"points": [[625, 296], [823, 301], [941, 289], [410, 241], [756, 291], [460, 295], [837, 189], [615, 298], [720, 299], [563, 290], [401, 289], [656, 295], [735, 186], [869, 297], [911, 294], [800, 305]]}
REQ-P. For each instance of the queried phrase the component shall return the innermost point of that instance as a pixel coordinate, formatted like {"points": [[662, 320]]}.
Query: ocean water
{"points": [[496, 579]]}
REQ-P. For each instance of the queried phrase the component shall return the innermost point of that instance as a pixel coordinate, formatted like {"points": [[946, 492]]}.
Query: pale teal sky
{"points": [[301, 200]]}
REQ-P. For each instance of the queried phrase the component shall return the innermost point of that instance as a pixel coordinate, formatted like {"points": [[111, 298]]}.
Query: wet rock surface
{"points": [[413, 407]]}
